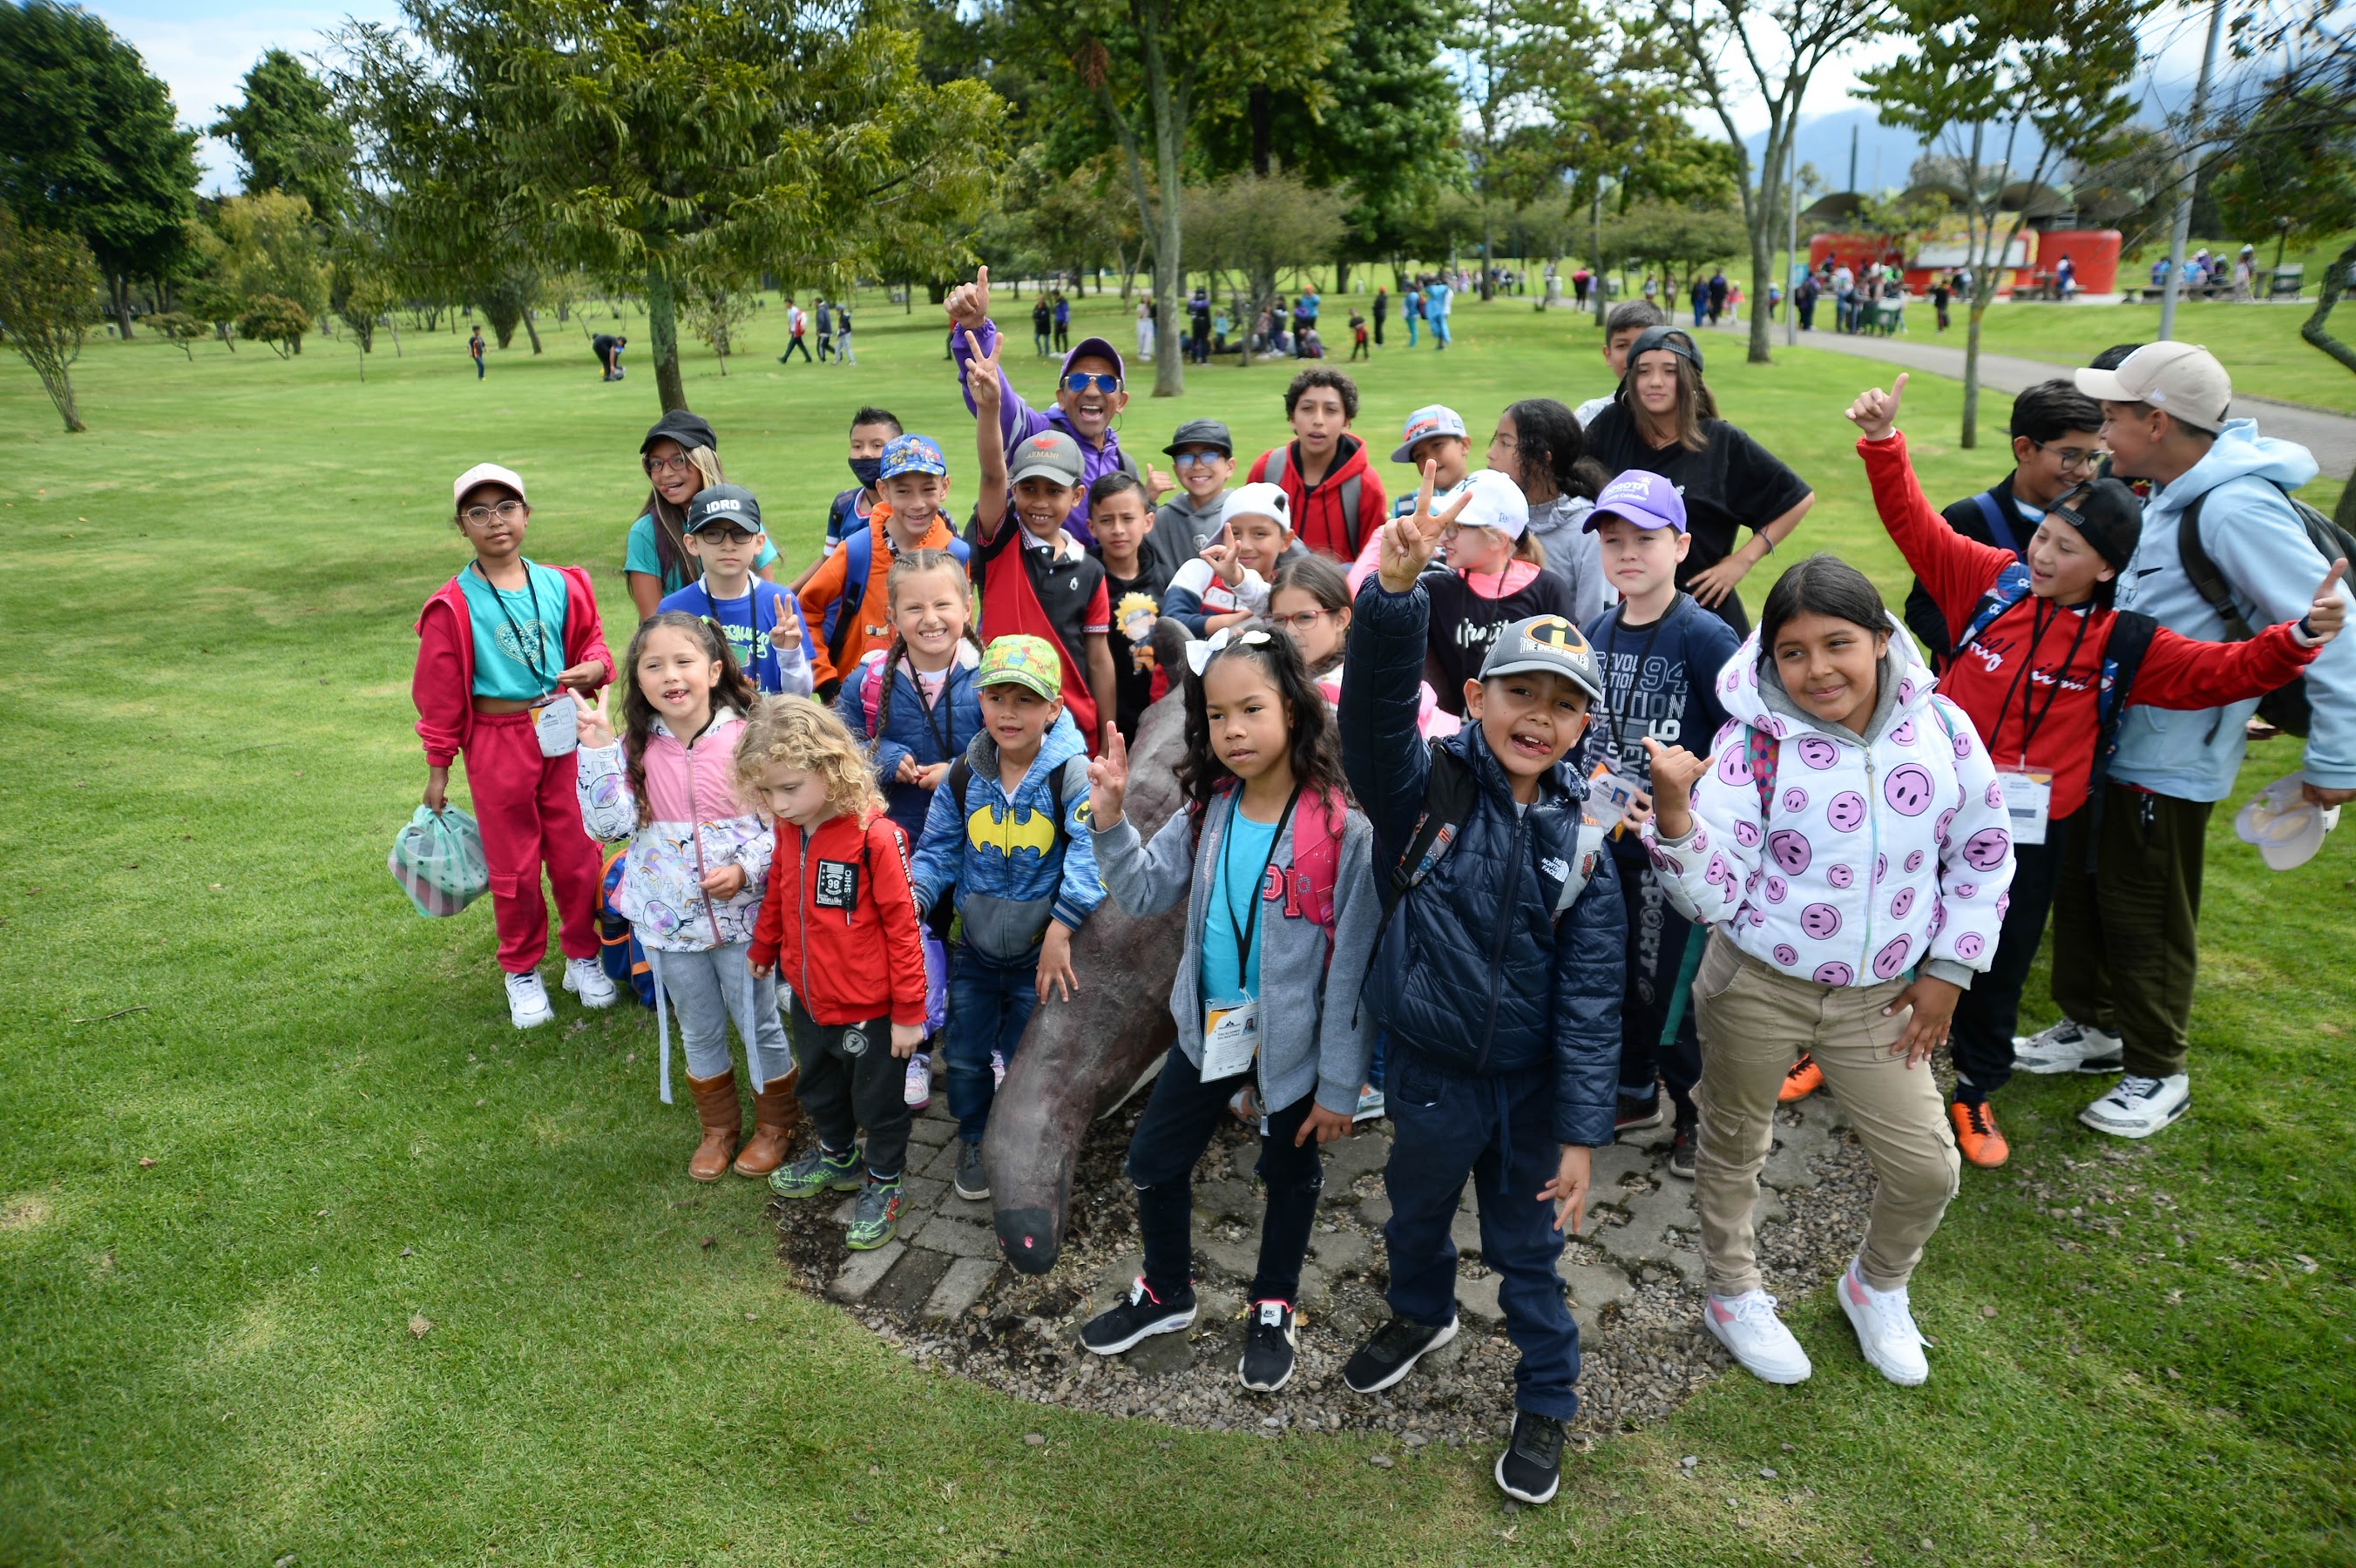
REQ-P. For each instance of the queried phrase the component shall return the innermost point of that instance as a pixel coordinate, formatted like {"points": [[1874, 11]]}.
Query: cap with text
{"points": [[1548, 645], [1050, 454], [1431, 420], [1644, 500], [729, 506], [912, 455]]}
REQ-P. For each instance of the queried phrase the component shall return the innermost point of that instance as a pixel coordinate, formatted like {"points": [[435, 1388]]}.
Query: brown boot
{"points": [[776, 1114], [723, 1124]]}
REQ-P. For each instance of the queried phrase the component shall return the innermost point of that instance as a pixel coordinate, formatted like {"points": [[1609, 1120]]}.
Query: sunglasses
{"points": [[732, 537], [1082, 381], [1196, 459]]}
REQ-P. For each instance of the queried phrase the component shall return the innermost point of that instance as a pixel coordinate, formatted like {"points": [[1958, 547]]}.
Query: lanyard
{"points": [[2029, 727], [1612, 703], [947, 728], [528, 658], [1251, 921], [752, 619]]}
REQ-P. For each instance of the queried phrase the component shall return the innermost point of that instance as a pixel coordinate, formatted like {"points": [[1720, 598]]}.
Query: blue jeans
{"points": [[1411, 331], [1499, 1130], [990, 1007]]}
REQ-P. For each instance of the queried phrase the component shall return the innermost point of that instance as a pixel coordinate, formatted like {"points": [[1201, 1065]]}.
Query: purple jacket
{"points": [[1019, 422]]}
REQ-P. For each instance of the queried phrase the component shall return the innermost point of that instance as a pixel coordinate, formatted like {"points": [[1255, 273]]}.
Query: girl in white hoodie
{"points": [[1847, 843]]}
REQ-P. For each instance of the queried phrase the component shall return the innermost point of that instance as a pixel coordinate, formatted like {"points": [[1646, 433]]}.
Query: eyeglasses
{"points": [[480, 516], [2069, 457], [1301, 623], [1081, 381], [1197, 459], [731, 537], [678, 464]]}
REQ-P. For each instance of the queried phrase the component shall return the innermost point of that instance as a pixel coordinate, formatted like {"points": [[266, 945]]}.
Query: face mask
{"points": [[867, 470]]}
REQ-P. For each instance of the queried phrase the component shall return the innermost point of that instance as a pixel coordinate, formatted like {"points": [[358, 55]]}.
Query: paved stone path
{"points": [[2330, 436]]}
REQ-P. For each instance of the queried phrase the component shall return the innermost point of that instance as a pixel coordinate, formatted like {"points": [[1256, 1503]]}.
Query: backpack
{"points": [[1450, 796], [618, 951], [2130, 639], [2285, 707], [1278, 461], [859, 549], [1999, 528], [960, 771]]}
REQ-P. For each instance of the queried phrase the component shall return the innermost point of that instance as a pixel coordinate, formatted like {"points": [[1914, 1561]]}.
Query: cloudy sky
{"points": [[202, 48]]}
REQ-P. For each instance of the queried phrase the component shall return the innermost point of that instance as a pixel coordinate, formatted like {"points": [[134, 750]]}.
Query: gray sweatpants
{"points": [[706, 989]]}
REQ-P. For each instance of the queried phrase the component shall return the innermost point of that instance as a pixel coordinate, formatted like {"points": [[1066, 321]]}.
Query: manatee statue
{"points": [[1080, 1058]]}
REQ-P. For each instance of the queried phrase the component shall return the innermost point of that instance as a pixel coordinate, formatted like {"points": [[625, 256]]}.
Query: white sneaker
{"points": [[1885, 1329], [918, 1092], [528, 1001], [2139, 1107], [586, 979], [1747, 1325], [2068, 1047]]}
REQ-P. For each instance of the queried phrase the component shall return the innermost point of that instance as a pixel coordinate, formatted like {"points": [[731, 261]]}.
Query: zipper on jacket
{"points": [[1506, 905], [695, 832], [1872, 888], [801, 891]]}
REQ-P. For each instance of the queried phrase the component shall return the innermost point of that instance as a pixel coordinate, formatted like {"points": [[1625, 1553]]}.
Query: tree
{"points": [[1782, 45], [1675, 237], [506, 302], [286, 134], [1258, 226], [179, 330], [276, 320], [1147, 59], [89, 142], [660, 142], [48, 285], [716, 314], [271, 245], [1975, 76]]}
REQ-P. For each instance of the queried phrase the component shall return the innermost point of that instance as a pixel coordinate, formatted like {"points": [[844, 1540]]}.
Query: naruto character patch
{"points": [[838, 885]]}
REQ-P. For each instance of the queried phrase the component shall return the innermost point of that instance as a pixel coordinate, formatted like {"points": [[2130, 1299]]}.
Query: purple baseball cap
{"points": [[1647, 500], [1098, 347]]}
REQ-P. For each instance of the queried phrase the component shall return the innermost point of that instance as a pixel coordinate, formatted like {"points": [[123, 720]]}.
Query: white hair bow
{"points": [[1198, 655]]}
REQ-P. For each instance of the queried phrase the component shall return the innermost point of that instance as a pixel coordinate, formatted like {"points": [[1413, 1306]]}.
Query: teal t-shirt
{"points": [[519, 633], [640, 555], [1244, 849]]}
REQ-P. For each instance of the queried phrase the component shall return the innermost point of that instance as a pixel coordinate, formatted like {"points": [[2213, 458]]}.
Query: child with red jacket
{"points": [[495, 645], [2044, 667], [838, 925], [1337, 502]]}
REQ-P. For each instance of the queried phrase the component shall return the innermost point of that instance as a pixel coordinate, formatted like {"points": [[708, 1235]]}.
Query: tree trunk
{"points": [[1760, 212], [1263, 130], [662, 334], [119, 289], [1488, 255], [1982, 287], [1169, 268], [393, 321], [530, 331], [1340, 276]]}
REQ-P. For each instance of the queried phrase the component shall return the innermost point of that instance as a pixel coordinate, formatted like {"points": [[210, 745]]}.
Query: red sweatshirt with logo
{"points": [[1318, 520], [838, 921]]}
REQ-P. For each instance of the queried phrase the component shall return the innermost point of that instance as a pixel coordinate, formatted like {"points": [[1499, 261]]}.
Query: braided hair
{"points": [[908, 564]]}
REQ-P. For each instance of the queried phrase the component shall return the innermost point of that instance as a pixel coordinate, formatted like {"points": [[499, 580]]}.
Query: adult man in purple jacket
{"points": [[1090, 392]]}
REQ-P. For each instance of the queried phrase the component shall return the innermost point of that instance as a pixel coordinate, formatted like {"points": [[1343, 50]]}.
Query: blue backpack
{"points": [[2130, 639], [618, 952], [856, 568]]}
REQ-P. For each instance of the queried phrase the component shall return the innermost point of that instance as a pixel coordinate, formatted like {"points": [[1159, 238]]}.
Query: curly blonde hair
{"points": [[799, 733]]}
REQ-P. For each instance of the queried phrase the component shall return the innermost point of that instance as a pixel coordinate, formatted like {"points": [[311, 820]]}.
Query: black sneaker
{"points": [[1142, 1316], [1531, 1466], [1681, 1146], [972, 1180], [1270, 1347], [1392, 1353], [1634, 1115]]}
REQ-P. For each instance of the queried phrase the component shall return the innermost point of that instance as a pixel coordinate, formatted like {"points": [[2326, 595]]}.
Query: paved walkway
{"points": [[2331, 437]]}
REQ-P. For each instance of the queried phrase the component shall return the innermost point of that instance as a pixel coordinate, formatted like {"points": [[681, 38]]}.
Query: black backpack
{"points": [[962, 770], [2285, 707], [1450, 796]]}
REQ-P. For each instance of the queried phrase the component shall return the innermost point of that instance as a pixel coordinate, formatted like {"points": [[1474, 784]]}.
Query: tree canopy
{"points": [[287, 136]]}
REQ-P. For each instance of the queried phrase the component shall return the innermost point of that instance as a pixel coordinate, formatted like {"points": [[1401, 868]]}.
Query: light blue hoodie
{"points": [[2250, 531]]}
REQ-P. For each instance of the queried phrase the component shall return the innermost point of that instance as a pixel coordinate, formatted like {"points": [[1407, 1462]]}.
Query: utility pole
{"points": [[2184, 198], [1852, 158]]}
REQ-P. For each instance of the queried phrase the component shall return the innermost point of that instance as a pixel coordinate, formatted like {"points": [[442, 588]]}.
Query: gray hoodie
{"points": [[1305, 1043], [1180, 529], [1571, 552]]}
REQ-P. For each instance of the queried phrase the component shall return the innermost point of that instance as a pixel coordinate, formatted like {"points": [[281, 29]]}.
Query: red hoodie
{"points": [[442, 686], [1318, 520], [2177, 671], [849, 948]]}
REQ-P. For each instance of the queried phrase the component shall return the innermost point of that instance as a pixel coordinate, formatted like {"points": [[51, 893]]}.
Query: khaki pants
{"points": [[1754, 1023]]}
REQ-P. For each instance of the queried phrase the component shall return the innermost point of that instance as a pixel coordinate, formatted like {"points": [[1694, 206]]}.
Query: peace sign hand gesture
{"points": [[590, 717], [1409, 541], [1108, 780], [981, 376], [1875, 412]]}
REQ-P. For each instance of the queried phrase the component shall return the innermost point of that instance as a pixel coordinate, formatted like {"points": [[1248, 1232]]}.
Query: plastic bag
{"points": [[438, 861]]}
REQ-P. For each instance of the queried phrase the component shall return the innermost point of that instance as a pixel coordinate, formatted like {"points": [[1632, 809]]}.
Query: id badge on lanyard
{"points": [[557, 726], [2028, 802], [1616, 790], [1230, 1038]]}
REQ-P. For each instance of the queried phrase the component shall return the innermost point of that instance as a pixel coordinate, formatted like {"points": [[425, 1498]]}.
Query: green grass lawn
{"points": [[2259, 344], [310, 1131]]}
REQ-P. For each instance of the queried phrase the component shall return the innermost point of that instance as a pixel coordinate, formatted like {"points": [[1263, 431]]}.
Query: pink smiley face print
{"points": [[1902, 903], [1718, 874], [1846, 811], [1892, 957], [1733, 766], [1786, 955], [1790, 850], [1777, 889], [1817, 753], [1904, 733], [1795, 801], [1909, 789], [1995, 797], [1985, 850], [1946, 820], [1913, 861], [1820, 920], [1834, 974], [1963, 742], [1747, 835], [1970, 944], [1880, 866], [1840, 875]]}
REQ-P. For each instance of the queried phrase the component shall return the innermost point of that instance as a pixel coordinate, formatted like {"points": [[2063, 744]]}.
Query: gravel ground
{"points": [[1642, 1355]]}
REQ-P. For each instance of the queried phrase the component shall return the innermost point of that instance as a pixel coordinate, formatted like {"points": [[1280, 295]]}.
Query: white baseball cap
{"points": [[2179, 379], [2286, 827], [486, 473], [1260, 500], [1497, 503]]}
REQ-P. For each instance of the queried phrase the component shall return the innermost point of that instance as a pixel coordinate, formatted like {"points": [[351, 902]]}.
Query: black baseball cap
{"points": [[1202, 432], [2107, 515], [723, 504], [1673, 338], [691, 431]]}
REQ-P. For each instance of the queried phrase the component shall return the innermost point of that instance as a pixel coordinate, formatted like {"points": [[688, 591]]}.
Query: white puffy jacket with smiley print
{"points": [[1875, 853]]}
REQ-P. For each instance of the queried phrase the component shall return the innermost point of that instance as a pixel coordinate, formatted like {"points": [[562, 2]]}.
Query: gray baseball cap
{"points": [[1547, 643], [1050, 454], [715, 504], [1202, 432]]}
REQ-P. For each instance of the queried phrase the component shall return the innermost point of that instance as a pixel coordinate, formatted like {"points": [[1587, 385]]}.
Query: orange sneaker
{"points": [[1976, 1135], [1803, 1079]]}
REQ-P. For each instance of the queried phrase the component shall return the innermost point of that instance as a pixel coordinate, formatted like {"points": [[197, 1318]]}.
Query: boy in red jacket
{"points": [[1337, 502], [2044, 667], [838, 926], [495, 645]]}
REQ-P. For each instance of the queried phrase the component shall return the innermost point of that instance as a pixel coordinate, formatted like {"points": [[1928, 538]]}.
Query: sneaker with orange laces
{"points": [[1803, 1079], [1977, 1135]]}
